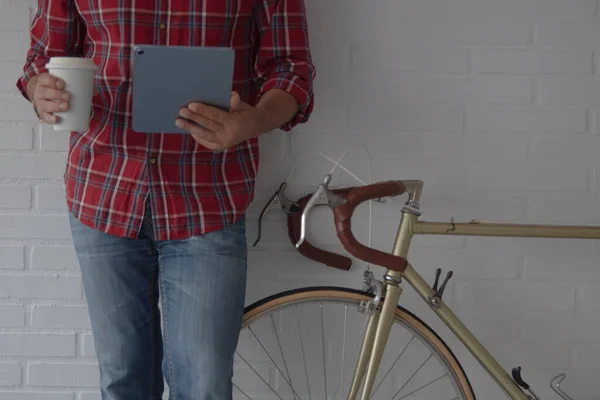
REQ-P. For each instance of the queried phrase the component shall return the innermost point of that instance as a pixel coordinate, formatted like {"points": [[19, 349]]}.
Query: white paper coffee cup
{"points": [[78, 75]]}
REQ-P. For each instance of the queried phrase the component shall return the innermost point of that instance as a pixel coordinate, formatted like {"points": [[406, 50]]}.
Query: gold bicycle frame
{"points": [[381, 319]]}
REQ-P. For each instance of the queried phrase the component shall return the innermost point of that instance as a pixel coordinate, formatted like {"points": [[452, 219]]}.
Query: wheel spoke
{"points": [[303, 353], [360, 336], [244, 393], [272, 360], [343, 351], [323, 342], [393, 365], [431, 374], [422, 387], [412, 376], [283, 357], [260, 377]]}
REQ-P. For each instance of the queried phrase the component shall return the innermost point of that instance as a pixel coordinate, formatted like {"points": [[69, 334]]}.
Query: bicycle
{"points": [[378, 305]]}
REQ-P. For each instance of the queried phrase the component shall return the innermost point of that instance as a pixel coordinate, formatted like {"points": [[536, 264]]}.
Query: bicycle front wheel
{"points": [[304, 344]]}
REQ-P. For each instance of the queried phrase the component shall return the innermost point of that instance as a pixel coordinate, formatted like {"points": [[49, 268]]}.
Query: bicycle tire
{"points": [[275, 301]]}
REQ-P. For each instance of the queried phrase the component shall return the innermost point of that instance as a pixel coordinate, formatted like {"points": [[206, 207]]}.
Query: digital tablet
{"points": [[167, 78]]}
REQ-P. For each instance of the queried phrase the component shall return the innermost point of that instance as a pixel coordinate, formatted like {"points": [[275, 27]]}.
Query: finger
{"points": [[52, 106], [49, 93], [235, 101], [196, 130], [202, 120], [210, 112], [49, 118], [205, 143], [51, 81]]}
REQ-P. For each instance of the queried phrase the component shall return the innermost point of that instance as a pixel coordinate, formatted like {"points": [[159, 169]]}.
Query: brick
{"points": [[549, 210], [14, 16], [54, 140], [439, 175], [527, 120], [527, 177], [474, 147], [37, 345], [384, 28], [16, 138], [9, 73], [562, 327], [37, 167], [51, 198], [415, 8], [40, 287], [554, 260], [499, 325], [60, 317], [12, 257], [534, 61], [12, 316], [54, 257], [470, 206], [320, 14], [492, 147], [89, 350], [386, 117], [272, 146], [564, 150], [570, 91], [591, 296], [375, 58], [330, 55], [386, 146], [14, 46], [467, 263], [399, 89], [538, 8], [63, 375], [588, 356], [326, 118], [10, 374], [516, 295], [533, 353], [567, 33], [15, 196], [35, 396], [16, 108], [91, 396], [34, 227]]}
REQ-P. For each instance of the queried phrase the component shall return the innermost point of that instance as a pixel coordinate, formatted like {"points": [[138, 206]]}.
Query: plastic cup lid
{"points": [[71, 62]]}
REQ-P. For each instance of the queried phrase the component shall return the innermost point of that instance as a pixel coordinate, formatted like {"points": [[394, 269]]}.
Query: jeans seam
{"points": [[172, 385], [153, 377]]}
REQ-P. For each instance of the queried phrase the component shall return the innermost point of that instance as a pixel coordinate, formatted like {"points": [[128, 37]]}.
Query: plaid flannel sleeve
{"points": [[284, 59], [56, 30]]}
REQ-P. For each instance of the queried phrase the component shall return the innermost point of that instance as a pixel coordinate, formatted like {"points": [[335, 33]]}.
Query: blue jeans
{"points": [[202, 284]]}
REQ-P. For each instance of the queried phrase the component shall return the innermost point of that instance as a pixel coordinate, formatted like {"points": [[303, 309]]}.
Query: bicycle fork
{"points": [[377, 333]]}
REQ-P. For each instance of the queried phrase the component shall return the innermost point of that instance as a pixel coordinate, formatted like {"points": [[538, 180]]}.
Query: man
{"points": [[164, 214]]}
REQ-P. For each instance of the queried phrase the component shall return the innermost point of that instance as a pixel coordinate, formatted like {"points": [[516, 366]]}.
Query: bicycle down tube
{"points": [[379, 326]]}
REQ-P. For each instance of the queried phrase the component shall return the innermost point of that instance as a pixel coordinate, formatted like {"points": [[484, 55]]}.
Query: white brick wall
{"points": [[494, 104]]}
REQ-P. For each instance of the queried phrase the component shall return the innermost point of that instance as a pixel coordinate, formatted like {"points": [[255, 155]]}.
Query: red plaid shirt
{"points": [[112, 171]]}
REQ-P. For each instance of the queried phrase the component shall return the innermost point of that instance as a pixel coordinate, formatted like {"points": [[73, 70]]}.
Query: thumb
{"points": [[235, 102]]}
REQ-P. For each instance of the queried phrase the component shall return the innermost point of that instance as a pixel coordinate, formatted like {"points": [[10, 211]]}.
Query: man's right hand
{"points": [[48, 96]]}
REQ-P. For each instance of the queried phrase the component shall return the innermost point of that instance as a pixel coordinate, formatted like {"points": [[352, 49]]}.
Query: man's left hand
{"points": [[222, 129]]}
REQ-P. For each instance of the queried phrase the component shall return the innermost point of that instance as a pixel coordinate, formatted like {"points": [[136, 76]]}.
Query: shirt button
{"points": [[162, 26], [153, 161]]}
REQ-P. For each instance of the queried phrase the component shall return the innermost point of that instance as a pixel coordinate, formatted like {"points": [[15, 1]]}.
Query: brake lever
{"points": [[323, 196], [278, 200]]}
